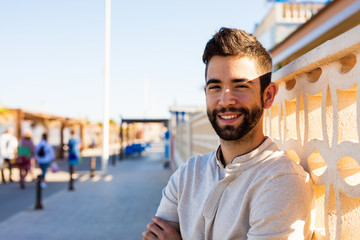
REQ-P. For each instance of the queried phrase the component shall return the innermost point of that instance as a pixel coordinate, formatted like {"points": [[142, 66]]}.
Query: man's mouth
{"points": [[228, 117]]}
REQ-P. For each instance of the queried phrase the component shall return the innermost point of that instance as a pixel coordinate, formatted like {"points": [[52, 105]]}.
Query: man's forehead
{"points": [[240, 59], [232, 67]]}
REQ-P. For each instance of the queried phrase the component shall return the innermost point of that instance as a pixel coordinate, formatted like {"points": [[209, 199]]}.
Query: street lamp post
{"points": [[105, 140]]}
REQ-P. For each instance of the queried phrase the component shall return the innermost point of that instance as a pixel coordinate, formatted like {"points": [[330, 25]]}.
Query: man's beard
{"points": [[231, 133]]}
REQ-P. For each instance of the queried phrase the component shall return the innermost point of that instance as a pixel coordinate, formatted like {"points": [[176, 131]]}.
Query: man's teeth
{"points": [[229, 116]]}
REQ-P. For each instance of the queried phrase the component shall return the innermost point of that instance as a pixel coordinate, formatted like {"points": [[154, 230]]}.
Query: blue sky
{"points": [[52, 53]]}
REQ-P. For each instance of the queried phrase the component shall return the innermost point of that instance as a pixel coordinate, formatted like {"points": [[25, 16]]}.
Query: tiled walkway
{"points": [[115, 205]]}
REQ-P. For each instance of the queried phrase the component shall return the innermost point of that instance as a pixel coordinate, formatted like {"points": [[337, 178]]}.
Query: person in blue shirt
{"points": [[74, 151], [44, 154]]}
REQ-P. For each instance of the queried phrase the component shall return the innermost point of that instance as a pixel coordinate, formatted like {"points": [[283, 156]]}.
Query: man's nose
{"points": [[227, 98]]}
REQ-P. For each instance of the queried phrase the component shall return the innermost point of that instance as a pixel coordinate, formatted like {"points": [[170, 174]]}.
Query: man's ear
{"points": [[269, 95]]}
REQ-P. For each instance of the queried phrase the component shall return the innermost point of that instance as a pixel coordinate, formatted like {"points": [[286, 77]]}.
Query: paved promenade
{"points": [[115, 205]]}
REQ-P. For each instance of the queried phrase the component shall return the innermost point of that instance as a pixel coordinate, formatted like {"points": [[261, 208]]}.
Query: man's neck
{"points": [[233, 149]]}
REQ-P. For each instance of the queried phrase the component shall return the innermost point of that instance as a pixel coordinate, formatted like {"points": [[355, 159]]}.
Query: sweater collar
{"points": [[249, 159]]}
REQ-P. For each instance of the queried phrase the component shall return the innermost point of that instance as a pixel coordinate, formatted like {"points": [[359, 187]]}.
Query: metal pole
{"points": [[105, 140], [38, 204], [71, 181], [121, 140], [92, 166]]}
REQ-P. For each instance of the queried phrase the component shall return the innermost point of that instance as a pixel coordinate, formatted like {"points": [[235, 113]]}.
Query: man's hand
{"points": [[162, 230]]}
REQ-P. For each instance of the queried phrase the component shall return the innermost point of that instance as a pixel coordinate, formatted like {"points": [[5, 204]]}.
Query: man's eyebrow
{"points": [[236, 80], [241, 80], [211, 81]]}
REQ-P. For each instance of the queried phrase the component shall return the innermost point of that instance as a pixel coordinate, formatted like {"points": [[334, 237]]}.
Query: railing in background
{"points": [[193, 137], [316, 118]]}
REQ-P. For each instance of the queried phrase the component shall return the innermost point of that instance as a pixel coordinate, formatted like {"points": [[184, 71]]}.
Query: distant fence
{"points": [[316, 118]]}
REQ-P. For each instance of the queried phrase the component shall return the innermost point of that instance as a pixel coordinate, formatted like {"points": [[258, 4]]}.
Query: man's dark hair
{"points": [[45, 136], [236, 42]]}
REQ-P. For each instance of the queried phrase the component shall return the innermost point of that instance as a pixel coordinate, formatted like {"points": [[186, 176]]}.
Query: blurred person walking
{"points": [[8, 147], [44, 154], [25, 153], [74, 152]]}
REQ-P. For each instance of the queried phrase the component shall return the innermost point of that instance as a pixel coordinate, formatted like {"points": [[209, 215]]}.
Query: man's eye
{"points": [[214, 87], [241, 86]]}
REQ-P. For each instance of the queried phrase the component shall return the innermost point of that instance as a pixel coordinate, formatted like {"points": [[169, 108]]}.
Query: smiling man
{"points": [[247, 188]]}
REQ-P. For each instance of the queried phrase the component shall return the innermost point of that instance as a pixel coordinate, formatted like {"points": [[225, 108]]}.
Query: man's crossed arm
{"points": [[159, 229]]}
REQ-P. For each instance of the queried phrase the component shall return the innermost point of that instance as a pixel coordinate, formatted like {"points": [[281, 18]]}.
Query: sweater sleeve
{"points": [[282, 210], [168, 207]]}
